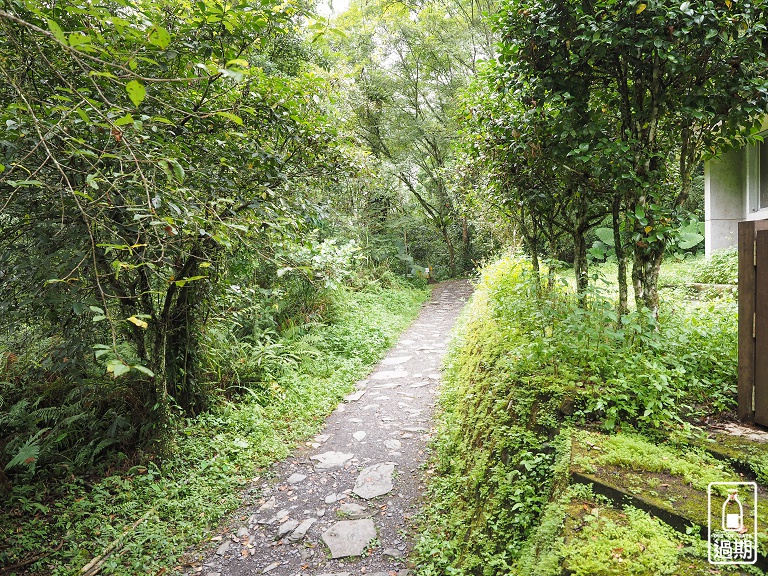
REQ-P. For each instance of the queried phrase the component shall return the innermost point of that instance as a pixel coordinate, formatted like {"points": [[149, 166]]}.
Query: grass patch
{"points": [[635, 452], [209, 460], [526, 365]]}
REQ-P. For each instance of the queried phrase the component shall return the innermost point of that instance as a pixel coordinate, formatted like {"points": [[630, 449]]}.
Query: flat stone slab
{"points": [[287, 527], [393, 553], [330, 460], [387, 374], [349, 537], [353, 511], [748, 432], [374, 481], [268, 505], [396, 360], [359, 435], [296, 477], [301, 530], [392, 444], [355, 396]]}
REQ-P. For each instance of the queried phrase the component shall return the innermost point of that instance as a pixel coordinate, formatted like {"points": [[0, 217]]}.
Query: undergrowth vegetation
{"points": [[720, 268], [528, 364], [165, 502]]}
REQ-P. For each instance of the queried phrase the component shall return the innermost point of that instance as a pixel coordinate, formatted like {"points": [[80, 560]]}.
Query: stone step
{"points": [[631, 470]]}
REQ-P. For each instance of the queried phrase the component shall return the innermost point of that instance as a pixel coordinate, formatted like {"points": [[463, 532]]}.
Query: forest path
{"points": [[342, 505]]}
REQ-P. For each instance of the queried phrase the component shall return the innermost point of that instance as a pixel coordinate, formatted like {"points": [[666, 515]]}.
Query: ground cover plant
{"points": [[159, 507], [528, 366]]}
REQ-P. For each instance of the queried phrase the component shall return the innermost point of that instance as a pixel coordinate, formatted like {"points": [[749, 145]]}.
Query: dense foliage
{"points": [[604, 111], [527, 366], [180, 201], [191, 224], [179, 498], [213, 216]]}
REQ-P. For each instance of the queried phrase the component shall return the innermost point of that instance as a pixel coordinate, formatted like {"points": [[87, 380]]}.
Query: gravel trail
{"points": [[342, 504]]}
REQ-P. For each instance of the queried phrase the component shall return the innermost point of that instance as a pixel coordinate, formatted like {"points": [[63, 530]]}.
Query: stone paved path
{"points": [[342, 504]]}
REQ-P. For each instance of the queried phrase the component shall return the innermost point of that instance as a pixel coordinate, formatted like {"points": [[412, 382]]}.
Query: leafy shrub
{"points": [[722, 267], [208, 461], [629, 370], [54, 423], [526, 362]]}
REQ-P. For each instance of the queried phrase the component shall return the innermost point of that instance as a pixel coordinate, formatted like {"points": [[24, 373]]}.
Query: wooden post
{"points": [[747, 301], [760, 341]]}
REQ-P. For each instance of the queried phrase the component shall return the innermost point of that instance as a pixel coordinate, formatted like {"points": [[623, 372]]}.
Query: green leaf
{"points": [[689, 240], [136, 92], [159, 36], [118, 368], [239, 62], [166, 169], [183, 281], [22, 183], [102, 74], [127, 119], [96, 309], [83, 115], [27, 454], [78, 39], [229, 116], [178, 171], [144, 370], [57, 31], [605, 235]]}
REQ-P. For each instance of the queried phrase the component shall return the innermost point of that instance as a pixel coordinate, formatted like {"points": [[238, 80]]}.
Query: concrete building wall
{"points": [[725, 199]]}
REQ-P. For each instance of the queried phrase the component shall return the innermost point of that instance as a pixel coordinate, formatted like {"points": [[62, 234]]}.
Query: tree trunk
{"points": [[536, 268], [580, 261], [466, 247], [531, 240], [621, 258], [451, 250], [176, 343], [645, 279]]}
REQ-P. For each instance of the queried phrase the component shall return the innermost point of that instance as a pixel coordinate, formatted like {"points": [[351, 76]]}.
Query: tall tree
{"points": [[411, 64], [144, 140], [684, 80]]}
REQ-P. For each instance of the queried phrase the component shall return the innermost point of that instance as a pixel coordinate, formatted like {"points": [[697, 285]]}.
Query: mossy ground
{"points": [[743, 453], [666, 477], [520, 410], [601, 540]]}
